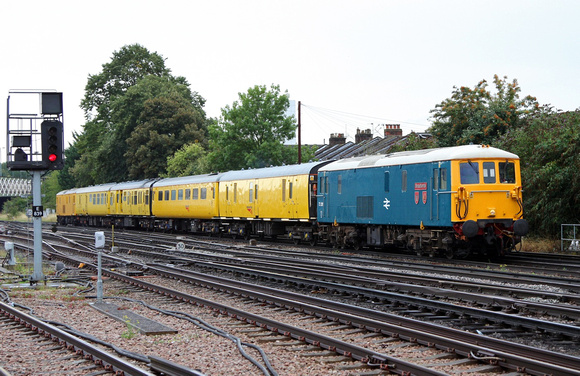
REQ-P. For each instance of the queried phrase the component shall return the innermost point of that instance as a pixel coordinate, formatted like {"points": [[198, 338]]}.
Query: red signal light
{"points": [[52, 157]]}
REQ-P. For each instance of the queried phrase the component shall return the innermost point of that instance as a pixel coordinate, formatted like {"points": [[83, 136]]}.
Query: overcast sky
{"points": [[353, 64]]}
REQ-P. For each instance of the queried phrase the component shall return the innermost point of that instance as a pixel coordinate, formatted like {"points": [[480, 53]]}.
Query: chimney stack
{"points": [[393, 130], [336, 139]]}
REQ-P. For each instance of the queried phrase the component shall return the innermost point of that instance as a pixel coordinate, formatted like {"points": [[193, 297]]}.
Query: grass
{"points": [[23, 218], [540, 245]]}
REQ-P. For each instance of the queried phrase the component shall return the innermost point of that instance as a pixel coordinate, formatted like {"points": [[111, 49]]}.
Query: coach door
{"points": [[439, 187], [322, 208], [253, 199]]}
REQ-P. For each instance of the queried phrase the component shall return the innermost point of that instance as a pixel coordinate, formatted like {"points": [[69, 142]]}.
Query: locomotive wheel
{"points": [[449, 253], [313, 241]]}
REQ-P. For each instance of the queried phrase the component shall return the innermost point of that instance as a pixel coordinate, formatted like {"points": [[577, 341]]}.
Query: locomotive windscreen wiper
{"points": [[474, 167]]}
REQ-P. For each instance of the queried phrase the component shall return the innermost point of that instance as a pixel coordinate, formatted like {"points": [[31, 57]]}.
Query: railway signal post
{"points": [[34, 143]]}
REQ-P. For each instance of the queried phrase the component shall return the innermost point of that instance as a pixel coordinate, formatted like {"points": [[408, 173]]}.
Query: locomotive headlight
{"points": [[492, 212]]}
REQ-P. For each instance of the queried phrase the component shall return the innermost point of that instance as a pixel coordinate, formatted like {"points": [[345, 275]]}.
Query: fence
{"points": [[570, 236]]}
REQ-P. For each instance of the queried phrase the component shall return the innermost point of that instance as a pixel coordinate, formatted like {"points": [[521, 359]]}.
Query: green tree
{"points": [[49, 188], [414, 142], [166, 124], [252, 132], [127, 66], [65, 177], [477, 116], [549, 149], [190, 159], [15, 206], [114, 103]]}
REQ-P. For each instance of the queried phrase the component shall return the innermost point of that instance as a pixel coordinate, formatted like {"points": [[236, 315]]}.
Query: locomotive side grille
{"points": [[364, 207]]}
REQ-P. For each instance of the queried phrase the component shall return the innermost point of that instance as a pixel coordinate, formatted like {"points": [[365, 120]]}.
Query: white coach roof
{"points": [[420, 156]]}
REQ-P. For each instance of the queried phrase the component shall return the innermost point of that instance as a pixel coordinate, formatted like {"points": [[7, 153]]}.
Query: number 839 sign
{"points": [[37, 211]]}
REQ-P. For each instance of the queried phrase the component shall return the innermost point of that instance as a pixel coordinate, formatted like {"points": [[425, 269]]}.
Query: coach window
{"points": [[146, 198], [173, 194], [251, 192], [235, 192], [167, 195], [339, 185], [290, 185], [443, 180], [507, 172], [404, 181], [180, 194], [489, 172], [283, 189], [256, 193], [322, 185], [435, 179], [202, 193], [195, 193], [387, 178], [188, 194], [160, 196], [469, 172], [134, 198]]}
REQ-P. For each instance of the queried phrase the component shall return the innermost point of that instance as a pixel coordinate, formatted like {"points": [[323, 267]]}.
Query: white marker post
{"points": [[99, 245]]}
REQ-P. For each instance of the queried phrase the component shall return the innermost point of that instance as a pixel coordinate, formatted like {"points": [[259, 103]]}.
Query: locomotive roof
{"points": [[272, 172], [420, 156]]}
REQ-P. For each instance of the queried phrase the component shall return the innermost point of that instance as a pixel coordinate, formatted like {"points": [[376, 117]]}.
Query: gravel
{"points": [[192, 347]]}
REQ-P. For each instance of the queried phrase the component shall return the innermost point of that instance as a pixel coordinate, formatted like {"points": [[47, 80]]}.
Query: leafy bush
{"points": [[549, 148], [15, 206]]}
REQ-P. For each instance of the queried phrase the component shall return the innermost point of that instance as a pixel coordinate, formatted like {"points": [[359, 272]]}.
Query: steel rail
{"points": [[372, 358], [467, 344], [100, 357]]}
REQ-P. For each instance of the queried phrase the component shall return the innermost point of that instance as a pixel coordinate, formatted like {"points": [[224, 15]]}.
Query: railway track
{"points": [[485, 356], [67, 354]]}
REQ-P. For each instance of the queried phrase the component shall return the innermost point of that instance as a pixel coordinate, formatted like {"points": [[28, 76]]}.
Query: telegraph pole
{"points": [[299, 135]]}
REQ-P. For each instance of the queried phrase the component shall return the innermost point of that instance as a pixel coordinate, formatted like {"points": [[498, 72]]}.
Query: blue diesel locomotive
{"points": [[455, 201]]}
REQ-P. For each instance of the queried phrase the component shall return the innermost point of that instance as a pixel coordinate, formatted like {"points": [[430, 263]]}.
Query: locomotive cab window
{"points": [[489, 172], [507, 172], [469, 172]]}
